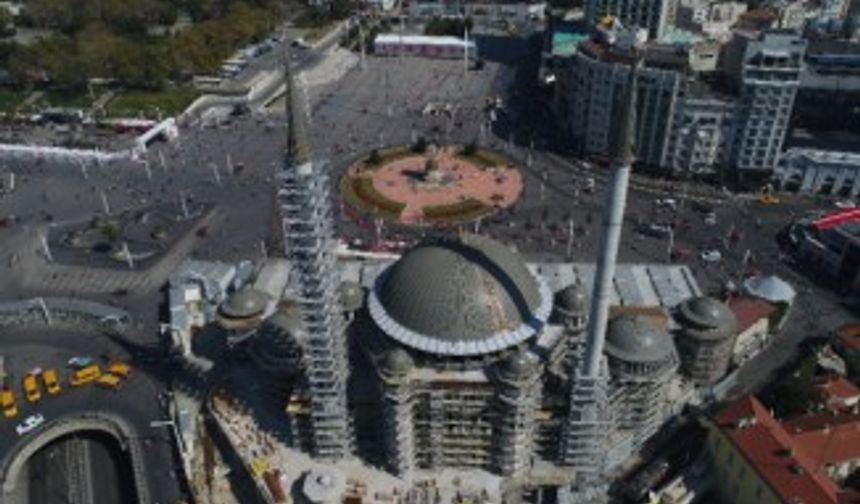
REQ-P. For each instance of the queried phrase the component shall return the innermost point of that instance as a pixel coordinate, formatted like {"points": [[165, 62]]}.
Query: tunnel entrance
{"points": [[87, 467]]}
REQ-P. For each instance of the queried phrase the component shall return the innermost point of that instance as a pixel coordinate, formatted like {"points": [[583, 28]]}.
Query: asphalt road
{"points": [[233, 167], [137, 402]]}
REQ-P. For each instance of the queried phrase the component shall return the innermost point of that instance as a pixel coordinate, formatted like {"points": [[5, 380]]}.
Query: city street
{"points": [[138, 403]]}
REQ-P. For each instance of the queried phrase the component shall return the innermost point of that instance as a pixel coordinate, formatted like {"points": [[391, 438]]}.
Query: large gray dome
{"points": [[247, 302], [707, 318], [460, 297], [633, 338]]}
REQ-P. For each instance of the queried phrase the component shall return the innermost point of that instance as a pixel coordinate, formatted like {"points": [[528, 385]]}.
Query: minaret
{"points": [[303, 196], [613, 218], [585, 438]]}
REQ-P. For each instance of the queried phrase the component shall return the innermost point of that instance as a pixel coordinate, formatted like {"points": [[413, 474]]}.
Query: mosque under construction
{"points": [[459, 354]]}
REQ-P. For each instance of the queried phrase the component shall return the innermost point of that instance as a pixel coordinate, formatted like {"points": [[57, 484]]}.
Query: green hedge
{"points": [[360, 193], [463, 210], [483, 158]]}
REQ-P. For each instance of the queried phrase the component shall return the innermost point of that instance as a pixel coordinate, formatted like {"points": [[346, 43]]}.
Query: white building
{"points": [[768, 72], [819, 171], [701, 134], [394, 44]]}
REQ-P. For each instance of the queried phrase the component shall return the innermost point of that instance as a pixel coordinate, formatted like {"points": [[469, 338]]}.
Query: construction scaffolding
{"points": [[303, 196]]}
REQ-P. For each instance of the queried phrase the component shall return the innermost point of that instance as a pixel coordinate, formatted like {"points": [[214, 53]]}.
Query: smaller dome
{"points": [[706, 318], [351, 296], [396, 363], [245, 303], [770, 288], [572, 300], [287, 320], [707, 312], [518, 366], [632, 338]]}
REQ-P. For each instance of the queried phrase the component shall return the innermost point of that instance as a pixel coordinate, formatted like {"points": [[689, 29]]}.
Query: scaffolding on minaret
{"points": [[587, 431], [303, 197]]}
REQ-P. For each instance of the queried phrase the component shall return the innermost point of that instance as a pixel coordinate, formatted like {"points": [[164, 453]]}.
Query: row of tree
{"points": [[100, 49], [70, 16], [454, 27]]}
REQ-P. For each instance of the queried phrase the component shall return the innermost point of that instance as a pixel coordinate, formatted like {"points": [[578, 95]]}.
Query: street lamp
{"points": [[170, 423]]}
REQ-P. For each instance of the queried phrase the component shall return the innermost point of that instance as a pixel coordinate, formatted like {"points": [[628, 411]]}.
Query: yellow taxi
{"points": [[7, 401], [85, 375], [31, 388], [51, 381], [120, 369], [109, 381], [768, 199]]}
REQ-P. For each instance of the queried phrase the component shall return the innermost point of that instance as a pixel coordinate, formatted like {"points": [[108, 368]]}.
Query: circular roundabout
{"points": [[429, 185]]}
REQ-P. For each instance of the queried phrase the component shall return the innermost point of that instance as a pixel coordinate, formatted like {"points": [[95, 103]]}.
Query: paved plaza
{"points": [[449, 179]]}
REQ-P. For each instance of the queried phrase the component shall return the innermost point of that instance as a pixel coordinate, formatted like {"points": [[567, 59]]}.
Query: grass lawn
{"points": [[170, 102], [359, 193], [484, 158], [11, 99], [456, 212], [66, 99]]}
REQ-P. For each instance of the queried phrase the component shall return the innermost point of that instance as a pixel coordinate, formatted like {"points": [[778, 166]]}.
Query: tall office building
{"points": [[768, 68], [303, 196], [598, 82], [652, 15]]}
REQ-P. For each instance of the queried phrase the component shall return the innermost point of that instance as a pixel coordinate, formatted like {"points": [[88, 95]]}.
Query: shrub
{"points": [[374, 158], [420, 146], [463, 210]]}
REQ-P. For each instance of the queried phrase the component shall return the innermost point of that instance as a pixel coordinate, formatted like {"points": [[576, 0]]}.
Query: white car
{"points": [[711, 219], [30, 423], [845, 204], [711, 255], [667, 203]]}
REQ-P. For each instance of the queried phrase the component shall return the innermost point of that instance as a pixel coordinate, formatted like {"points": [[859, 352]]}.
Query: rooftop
{"points": [[773, 453], [468, 296], [838, 390], [749, 310], [849, 336], [826, 438], [566, 38]]}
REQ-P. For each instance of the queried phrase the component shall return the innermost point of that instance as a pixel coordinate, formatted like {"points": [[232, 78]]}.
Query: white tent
{"points": [[770, 288]]}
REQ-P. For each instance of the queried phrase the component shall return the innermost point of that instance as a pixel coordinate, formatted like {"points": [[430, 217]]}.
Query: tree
{"points": [[420, 146], [7, 22]]}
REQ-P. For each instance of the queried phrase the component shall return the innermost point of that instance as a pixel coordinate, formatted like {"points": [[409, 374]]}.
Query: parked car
{"points": [[656, 230], [711, 219], [7, 401], [712, 255], [669, 203], [30, 423], [80, 361]]}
